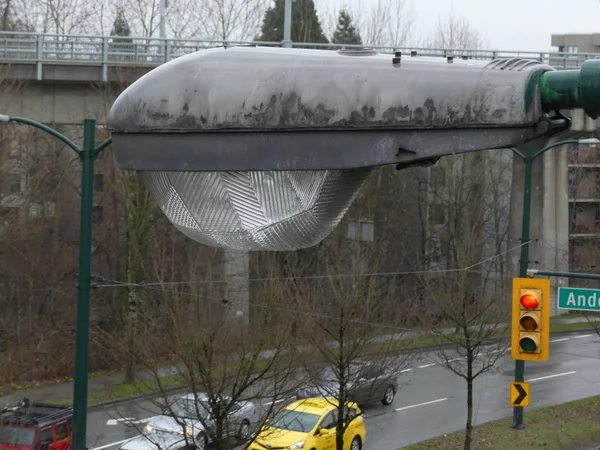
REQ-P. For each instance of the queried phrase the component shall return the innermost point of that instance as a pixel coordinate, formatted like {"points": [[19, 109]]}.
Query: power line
{"points": [[227, 301], [223, 300], [296, 312], [115, 283]]}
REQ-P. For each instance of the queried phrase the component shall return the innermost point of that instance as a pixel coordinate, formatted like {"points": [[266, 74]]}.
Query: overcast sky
{"points": [[514, 24]]}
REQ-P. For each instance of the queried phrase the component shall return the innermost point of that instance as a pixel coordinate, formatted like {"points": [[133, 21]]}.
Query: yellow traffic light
{"points": [[531, 319]]}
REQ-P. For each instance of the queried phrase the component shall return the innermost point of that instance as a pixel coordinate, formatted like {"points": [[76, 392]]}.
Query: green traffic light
{"points": [[528, 344]]}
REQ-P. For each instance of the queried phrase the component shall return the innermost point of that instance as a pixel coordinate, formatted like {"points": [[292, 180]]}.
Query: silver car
{"points": [[191, 414]]}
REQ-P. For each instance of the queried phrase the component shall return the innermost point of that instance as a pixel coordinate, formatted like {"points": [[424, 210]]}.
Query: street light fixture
{"points": [[254, 148], [87, 155], [528, 158]]}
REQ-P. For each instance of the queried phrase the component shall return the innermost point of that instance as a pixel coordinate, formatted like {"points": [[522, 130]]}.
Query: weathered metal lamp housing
{"points": [[265, 148]]}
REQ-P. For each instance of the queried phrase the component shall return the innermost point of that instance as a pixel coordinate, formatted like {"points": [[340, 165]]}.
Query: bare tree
{"points": [[219, 364], [352, 340], [456, 33], [386, 23], [476, 346], [143, 16], [59, 16], [35, 258], [139, 212], [468, 297], [218, 19]]}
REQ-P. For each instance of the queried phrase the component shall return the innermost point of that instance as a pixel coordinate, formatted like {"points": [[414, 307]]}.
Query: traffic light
{"points": [[531, 319]]}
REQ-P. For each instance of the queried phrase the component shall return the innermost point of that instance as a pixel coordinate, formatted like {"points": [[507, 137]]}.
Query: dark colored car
{"points": [[368, 382]]}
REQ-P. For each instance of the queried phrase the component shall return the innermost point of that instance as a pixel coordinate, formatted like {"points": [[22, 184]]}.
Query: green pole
{"points": [[520, 364], [84, 279], [528, 158]]}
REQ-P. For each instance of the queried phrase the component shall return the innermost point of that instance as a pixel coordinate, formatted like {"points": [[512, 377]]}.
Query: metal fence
{"points": [[103, 51]]}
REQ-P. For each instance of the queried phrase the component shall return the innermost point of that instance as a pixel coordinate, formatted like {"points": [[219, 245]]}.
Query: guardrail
{"points": [[103, 51]]}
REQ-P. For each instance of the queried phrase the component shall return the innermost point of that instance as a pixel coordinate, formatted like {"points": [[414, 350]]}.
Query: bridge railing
{"points": [[34, 48]]}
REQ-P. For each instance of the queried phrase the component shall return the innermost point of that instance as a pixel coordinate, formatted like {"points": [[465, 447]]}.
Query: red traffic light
{"points": [[529, 301]]}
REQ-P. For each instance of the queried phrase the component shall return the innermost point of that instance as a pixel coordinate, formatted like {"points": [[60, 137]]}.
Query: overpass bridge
{"points": [[62, 79]]}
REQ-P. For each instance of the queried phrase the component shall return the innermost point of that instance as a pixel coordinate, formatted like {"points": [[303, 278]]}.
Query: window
{"points": [[98, 214], [369, 373], [49, 209], [45, 437], [99, 182], [367, 231], [438, 177], [330, 421], [61, 431], [438, 214], [11, 183], [17, 435], [351, 414], [46, 209], [35, 210], [363, 230], [292, 420], [572, 49]]}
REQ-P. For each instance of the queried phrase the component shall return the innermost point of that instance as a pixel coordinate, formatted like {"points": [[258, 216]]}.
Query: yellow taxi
{"points": [[311, 424]]}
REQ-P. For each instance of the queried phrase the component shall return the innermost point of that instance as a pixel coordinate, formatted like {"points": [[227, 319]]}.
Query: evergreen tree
{"points": [[306, 26], [346, 33], [121, 27]]}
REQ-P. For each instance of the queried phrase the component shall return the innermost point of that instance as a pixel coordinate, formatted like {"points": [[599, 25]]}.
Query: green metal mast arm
{"points": [[42, 127]]}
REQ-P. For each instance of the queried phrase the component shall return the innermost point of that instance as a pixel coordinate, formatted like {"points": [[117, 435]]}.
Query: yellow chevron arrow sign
{"points": [[519, 394]]}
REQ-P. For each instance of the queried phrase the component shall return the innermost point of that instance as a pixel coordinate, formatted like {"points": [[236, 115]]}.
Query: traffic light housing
{"points": [[531, 319]]}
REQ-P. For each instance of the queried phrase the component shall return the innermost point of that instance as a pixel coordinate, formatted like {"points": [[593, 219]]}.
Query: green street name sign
{"points": [[579, 299]]}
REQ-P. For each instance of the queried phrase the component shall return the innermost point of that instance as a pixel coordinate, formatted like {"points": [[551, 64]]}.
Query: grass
{"points": [[572, 425], [569, 315], [574, 326], [125, 390]]}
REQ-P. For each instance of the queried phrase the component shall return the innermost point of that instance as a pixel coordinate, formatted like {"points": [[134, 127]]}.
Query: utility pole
{"points": [[287, 24], [528, 157], [163, 7]]}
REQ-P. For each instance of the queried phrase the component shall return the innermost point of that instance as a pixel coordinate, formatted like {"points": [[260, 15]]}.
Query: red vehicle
{"points": [[36, 426]]}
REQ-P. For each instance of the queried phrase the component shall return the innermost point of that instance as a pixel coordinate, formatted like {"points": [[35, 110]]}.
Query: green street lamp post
{"points": [[87, 155], [529, 157]]}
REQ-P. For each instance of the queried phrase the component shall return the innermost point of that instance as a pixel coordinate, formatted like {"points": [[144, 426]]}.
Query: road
{"points": [[431, 401]]}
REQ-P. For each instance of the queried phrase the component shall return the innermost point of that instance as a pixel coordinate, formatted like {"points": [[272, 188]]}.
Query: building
{"points": [[584, 212], [574, 49], [577, 43]]}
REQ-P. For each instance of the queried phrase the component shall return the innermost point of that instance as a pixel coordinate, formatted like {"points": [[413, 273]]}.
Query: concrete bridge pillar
{"points": [[236, 270]]}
